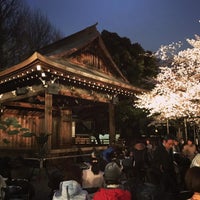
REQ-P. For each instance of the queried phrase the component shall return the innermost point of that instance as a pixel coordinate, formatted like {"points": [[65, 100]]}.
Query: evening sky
{"points": [[151, 23]]}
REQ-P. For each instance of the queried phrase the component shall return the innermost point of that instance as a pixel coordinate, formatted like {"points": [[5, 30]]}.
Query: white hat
{"points": [[70, 190]]}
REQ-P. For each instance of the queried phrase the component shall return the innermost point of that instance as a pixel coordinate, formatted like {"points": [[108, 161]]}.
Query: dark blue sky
{"points": [[151, 23]]}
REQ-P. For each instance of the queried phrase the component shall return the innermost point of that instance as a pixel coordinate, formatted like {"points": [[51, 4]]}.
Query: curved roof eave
{"points": [[67, 67]]}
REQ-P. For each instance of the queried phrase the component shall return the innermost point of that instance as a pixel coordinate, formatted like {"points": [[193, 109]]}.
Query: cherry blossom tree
{"points": [[177, 90]]}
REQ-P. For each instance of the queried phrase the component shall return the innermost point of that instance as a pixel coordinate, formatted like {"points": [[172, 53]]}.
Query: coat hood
{"points": [[70, 190]]}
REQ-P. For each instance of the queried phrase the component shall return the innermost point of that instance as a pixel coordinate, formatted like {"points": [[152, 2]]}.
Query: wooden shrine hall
{"points": [[71, 82]]}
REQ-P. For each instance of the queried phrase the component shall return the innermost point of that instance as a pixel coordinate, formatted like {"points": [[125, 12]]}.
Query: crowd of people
{"points": [[141, 171], [166, 169]]}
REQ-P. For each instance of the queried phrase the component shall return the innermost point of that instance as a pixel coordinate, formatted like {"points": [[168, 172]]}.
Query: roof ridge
{"points": [[89, 29]]}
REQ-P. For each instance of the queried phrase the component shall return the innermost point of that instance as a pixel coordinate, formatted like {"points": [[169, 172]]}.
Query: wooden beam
{"points": [[27, 105], [84, 94], [12, 96], [70, 91]]}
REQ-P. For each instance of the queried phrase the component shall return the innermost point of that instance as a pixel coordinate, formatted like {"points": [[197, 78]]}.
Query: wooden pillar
{"points": [[65, 137], [111, 123], [48, 117]]}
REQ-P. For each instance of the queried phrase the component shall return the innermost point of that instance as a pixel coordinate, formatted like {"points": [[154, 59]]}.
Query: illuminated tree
{"points": [[177, 90]]}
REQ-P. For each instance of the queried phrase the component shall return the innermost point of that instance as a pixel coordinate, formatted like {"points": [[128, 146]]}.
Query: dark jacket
{"points": [[140, 156], [164, 170], [163, 160]]}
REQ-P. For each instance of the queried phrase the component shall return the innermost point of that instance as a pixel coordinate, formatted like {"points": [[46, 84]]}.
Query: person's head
{"points": [[192, 179], [127, 153], [176, 142], [131, 154], [95, 166], [148, 141], [190, 141], [168, 142], [112, 173], [95, 154], [182, 141]]}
